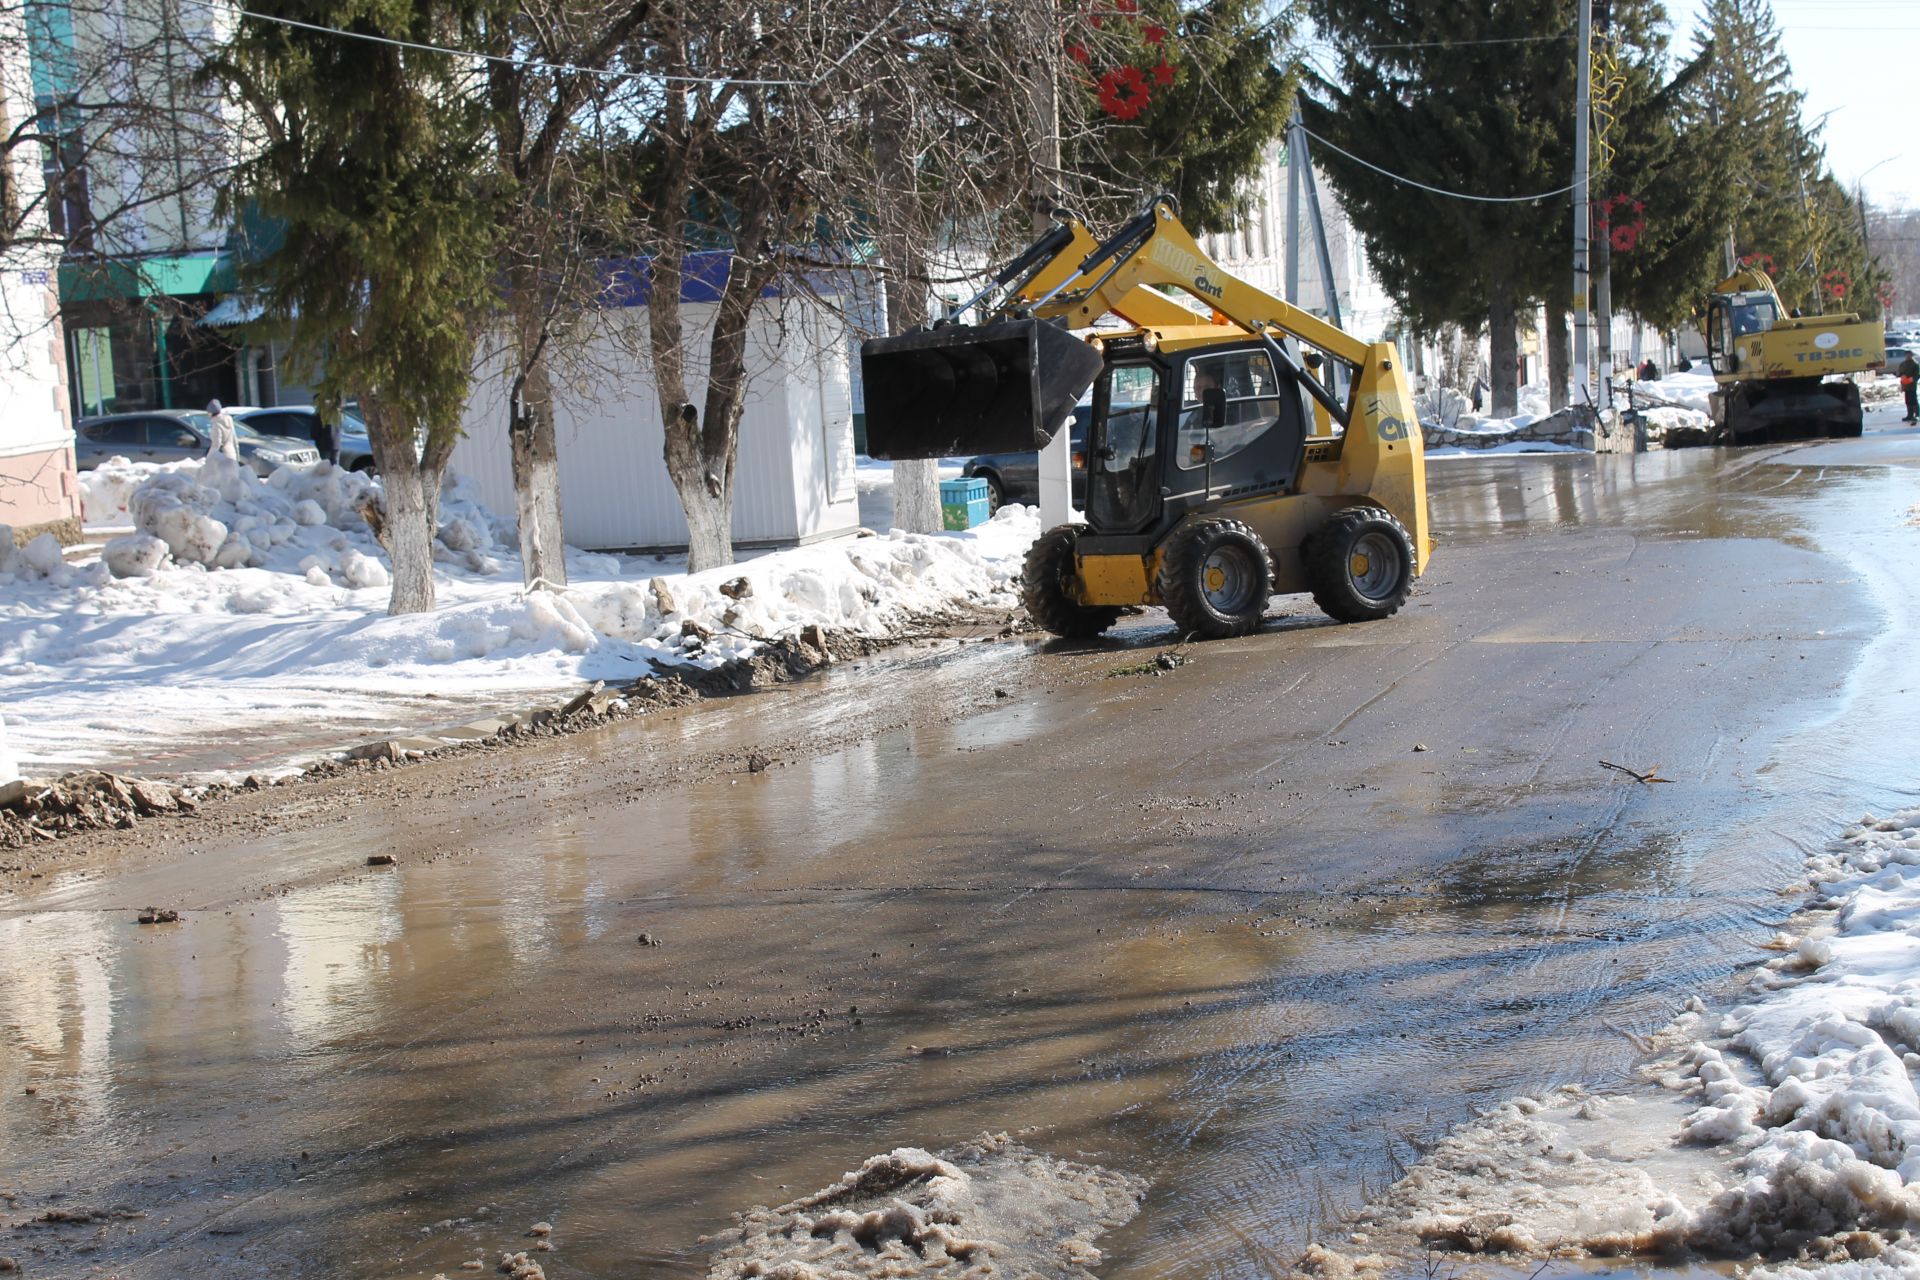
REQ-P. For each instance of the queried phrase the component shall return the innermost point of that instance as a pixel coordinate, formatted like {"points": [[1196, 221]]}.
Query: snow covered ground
{"points": [[239, 607], [1788, 1127]]}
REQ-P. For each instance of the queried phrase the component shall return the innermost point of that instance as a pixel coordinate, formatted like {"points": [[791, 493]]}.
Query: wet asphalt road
{"points": [[1250, 927]]}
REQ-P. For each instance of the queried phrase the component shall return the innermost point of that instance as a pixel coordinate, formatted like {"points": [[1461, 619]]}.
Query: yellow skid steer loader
{"points": [[1230, 456]]}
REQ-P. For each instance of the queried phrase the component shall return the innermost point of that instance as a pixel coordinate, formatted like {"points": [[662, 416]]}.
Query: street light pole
{"points": [[1860, 199], [1582, 211]]}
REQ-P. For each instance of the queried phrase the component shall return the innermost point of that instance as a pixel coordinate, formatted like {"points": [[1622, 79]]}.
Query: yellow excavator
{"points": [[1230, 455], [1772, 367]]}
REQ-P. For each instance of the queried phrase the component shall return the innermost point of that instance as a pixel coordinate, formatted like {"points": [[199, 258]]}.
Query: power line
{"points": [[1440, 44], [563, 67], [1438, 191]]}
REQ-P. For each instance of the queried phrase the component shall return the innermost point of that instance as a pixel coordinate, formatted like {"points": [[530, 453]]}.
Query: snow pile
{"points": [[104, 491], [242, 602], [1828, 1130], [1663, 419], [987, 1208], [1687, 390], [1792, 1128], [217, 514]]}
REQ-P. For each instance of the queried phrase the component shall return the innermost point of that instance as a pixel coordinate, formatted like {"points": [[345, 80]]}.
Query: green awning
{"points": [[159, 276]]}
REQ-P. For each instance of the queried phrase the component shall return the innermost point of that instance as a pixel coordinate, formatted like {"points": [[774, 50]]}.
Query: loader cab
{"points": [[1732, 316], [1175, 431]]}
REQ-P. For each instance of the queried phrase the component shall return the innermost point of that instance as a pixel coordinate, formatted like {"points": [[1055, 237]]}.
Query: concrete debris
{"points": [[381, 860], [757, 763], [663, 602], [159, 915], [584, 699], [736, 589], [648, 940], [540, 1229], [86, 801]]}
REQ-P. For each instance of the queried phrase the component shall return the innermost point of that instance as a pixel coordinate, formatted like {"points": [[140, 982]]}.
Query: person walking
{"points": [[1910, 386], [326, 439], [224, 439]]}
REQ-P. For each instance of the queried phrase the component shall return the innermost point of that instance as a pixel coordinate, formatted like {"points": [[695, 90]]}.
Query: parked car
{"points": [[1896, 354], [170, 435], [297, 422], [1015, 477]]}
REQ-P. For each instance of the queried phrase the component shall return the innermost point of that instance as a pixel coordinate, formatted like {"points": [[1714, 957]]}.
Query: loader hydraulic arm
{"points": [[1085, 280]]}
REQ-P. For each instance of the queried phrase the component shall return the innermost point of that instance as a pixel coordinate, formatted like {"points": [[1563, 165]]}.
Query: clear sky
{"points": [[1859, 60]]}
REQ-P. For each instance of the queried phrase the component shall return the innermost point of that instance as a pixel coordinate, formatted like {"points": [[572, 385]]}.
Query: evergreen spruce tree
{"points": [[1224, 95], [1787, 211], [373, 162], [1466, 98]]}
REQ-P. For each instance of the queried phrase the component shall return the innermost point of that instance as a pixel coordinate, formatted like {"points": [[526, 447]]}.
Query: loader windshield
{"points": [[1123, 483]]}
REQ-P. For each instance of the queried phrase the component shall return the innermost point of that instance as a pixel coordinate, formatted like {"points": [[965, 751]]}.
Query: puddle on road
{"points": [[1254, 1006]]}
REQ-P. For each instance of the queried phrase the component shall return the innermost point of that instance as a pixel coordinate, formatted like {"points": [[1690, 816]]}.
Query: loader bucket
{"points": [[957, 390]]}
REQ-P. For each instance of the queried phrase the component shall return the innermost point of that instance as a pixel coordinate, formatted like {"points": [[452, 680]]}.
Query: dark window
{"points": [[131, 431], [297, 425], [171, 435]]}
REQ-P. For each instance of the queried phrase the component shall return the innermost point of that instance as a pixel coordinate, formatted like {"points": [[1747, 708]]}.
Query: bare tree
{"points": [[547, 105]]}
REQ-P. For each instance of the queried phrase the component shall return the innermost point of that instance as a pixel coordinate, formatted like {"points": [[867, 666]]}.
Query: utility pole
{"points": [[1582, 210], [1302, 188], [1296, 154]]}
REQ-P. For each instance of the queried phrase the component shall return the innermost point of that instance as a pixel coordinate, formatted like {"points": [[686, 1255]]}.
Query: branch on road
{"points": [[1652, 775]]}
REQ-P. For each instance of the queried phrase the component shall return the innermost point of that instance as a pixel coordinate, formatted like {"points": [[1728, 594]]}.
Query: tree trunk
{"points": [[1504, 352], [1603, 317], [411, 510], [536, 461], [1559, 356], [916, 482]]}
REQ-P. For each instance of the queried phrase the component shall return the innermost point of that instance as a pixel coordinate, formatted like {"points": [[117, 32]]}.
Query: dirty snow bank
{"points": [[987, 1208], [241, 611], [1790, 1129]]}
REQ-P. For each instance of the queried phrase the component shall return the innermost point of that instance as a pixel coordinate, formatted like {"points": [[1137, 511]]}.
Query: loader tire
{"points": [[1215, 578], [1047, 591], [1359, 565]]}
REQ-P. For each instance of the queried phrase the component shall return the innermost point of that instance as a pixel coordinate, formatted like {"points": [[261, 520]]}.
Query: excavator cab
{"points": [[1732, 316]]}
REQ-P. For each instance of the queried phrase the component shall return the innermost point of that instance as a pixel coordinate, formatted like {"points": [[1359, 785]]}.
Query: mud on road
{"points": [[1241, 928]]}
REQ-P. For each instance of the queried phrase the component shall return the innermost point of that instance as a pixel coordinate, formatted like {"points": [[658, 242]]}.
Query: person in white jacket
{"points": [[225, 440]]}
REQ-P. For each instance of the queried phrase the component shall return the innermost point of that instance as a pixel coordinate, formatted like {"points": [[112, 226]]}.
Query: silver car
{"points": [[170, 435], [297, 422]]}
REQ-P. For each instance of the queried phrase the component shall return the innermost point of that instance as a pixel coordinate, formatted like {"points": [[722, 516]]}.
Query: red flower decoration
{"points": [[1095, 20], [1163, 74], [1124, 93], [1078, 52], [1156, 35], [1622, 235], [1128, 7]]}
